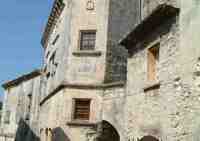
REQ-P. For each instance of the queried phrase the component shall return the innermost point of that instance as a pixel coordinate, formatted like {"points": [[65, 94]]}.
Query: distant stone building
{"points": [[20, 114], [115, 70]]}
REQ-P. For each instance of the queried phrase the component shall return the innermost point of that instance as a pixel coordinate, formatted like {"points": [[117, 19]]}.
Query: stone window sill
{"points": [[87, 53], [81, 123], [151, 86]]}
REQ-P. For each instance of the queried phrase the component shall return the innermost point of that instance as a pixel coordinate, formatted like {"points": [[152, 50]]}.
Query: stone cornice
{"points": [[82, 86]]}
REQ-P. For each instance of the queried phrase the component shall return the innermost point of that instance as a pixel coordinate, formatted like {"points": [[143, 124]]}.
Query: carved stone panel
{"points": [[90, 5]]}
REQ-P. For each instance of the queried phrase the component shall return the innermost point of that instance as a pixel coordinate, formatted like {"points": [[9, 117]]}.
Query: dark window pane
{"points": [[88, 39], [82, 109]]}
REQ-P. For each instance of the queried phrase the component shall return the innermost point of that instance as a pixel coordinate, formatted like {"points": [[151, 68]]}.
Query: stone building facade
{"points": [[20, 115], [117, 71]]}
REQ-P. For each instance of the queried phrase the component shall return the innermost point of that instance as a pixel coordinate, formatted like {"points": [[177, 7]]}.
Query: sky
{"points": [[21, 26]]}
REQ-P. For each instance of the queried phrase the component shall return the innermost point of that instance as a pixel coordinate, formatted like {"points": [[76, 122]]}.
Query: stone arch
{"points": [[149, 138], [58, 134], [108, 132]]}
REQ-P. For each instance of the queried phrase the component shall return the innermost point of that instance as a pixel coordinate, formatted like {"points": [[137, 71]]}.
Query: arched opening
{"points": [[109, 133], [149, 138], [58, 134]]}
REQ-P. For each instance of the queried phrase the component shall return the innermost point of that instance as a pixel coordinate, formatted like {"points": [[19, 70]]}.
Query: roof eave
{"points": [[22, 78], [162, 13], [56, 11]]}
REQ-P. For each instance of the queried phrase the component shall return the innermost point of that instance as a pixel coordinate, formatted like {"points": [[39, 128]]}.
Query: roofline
{"points": [[22, 78], [162, 13], [56, 11]]}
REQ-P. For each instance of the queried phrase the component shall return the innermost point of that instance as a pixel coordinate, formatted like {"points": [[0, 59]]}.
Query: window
{"points": [[47, 54], [153, 59], [53, 64], [29, 106], [87, 40], [7, 117], [55, 40], [82, 109]]}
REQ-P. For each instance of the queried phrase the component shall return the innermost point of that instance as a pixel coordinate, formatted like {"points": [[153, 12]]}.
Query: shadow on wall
{"points": [[24, 132], [59, 135]]}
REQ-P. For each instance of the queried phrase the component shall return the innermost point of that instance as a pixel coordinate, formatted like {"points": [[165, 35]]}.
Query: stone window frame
{"points": [[73, 118], [7, 117], [80, 39], [154, 44]]}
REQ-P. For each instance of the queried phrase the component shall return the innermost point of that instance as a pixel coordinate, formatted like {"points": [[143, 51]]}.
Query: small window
{"points": [[52, 58], [153, 59], [87, 40], [55, 40], [53, 64], [47, 54], [7, 117], [82, 109]]}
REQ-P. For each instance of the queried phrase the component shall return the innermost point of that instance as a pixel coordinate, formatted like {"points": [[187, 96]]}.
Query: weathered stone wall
{"points": [[24, 110], [148, 6], [122, 18], [3, 138], [35, 106], [168, 113], [113, 109], [155, 112], [88, 69], [60, 48], [116, 63], [57, 113], [190, 53], [10, 104]]}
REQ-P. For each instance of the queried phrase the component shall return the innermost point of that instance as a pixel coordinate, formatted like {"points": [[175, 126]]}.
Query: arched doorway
{"points": [[149, 138], [109, 133]]}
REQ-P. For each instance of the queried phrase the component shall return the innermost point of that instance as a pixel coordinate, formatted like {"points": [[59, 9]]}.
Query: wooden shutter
{"points": [[153, 58], [82, 109]]}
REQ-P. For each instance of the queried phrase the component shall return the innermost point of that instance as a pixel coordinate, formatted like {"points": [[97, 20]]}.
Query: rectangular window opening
{"points": [[55, 40], [7, 117], [87, 40], [82, 109], [153, 59]]}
